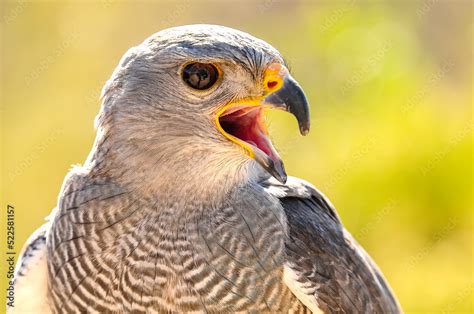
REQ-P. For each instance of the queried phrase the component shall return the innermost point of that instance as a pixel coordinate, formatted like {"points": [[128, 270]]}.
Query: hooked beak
{"points": [[243, 122], [290, 97]]}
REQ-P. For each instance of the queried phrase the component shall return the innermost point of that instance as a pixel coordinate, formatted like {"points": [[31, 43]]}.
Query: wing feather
{"points": [[326, 267]]}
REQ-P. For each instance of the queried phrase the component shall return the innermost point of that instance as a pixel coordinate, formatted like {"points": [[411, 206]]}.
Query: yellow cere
{"points": [[274, 76]]}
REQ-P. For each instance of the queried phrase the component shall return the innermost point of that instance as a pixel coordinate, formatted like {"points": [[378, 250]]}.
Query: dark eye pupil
{"points": [[200, 75]]}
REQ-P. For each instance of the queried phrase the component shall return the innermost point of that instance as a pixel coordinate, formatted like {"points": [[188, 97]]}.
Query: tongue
{"points": [[264, 143], [245, 124]]}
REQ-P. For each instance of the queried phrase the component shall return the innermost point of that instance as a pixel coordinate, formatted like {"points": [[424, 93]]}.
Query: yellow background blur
{"points": [[390, 85]]}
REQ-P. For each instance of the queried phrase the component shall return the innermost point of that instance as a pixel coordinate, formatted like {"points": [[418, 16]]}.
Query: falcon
{"points": [[183, 204]]}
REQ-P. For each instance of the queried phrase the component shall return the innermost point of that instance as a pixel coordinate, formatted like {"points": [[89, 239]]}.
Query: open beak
{"points": [[243, 122]]}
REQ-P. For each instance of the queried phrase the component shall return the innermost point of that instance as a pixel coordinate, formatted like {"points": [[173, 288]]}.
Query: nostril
{"points": [[272, 84]]}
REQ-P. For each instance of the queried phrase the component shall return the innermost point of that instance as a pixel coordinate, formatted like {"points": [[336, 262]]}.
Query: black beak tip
{"points": [[282, 179], [279, 171]]}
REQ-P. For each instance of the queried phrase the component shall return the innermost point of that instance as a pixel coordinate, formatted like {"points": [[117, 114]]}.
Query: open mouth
{"points": [[243, 121], [246, 126]]}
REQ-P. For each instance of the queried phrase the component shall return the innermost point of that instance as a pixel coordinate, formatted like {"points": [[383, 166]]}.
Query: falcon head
{"points": [[193, 100]]}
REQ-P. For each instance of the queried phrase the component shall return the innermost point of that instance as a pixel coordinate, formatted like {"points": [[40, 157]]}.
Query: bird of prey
{"points": [[183, 204]]}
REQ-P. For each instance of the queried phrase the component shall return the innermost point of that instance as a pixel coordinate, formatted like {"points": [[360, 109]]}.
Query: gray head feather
{"points": [[156, 132]]}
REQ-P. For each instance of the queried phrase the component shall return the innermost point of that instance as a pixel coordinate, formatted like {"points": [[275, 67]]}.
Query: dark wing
{"points": [[325, 264]]}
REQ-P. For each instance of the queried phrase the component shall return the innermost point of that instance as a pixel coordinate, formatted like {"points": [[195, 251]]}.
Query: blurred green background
{"points": [[390, 85]]}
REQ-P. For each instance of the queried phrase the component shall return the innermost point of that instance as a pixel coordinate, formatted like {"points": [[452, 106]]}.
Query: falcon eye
{"points": [[200, 75]]}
